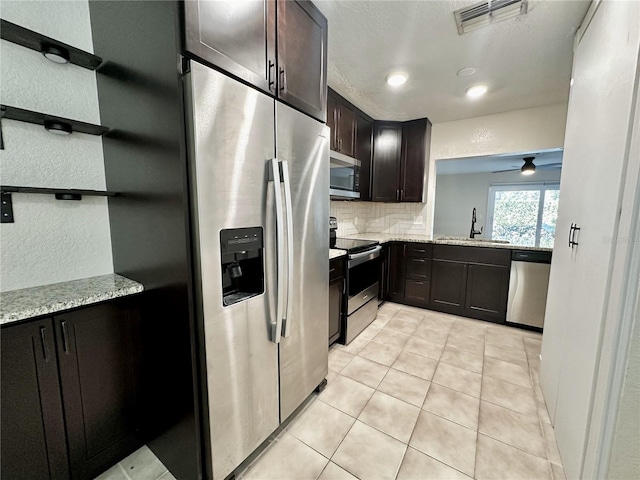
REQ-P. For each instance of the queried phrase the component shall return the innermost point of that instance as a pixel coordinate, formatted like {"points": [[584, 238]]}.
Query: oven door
{"points": [[363, 282]]}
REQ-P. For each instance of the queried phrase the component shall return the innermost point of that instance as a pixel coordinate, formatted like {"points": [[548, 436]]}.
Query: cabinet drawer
{"points": [[418, 268], [487, 256], [421, 250], [417, 291], [336, 268]]}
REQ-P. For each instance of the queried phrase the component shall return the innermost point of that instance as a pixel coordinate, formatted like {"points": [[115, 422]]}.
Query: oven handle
{"points": [[360, 258]]}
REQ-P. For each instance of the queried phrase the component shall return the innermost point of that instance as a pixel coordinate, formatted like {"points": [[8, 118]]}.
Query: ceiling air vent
{"points": [[487, 12]]}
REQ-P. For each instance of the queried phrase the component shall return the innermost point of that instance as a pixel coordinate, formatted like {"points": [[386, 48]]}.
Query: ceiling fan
{"points": [[529, 168]]}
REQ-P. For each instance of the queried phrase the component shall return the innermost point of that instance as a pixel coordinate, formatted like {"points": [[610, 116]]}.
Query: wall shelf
{"points": [[6, 203], [35, 41], [29, 116]]}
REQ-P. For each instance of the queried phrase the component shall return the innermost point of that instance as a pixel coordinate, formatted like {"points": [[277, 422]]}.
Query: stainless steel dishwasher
{"points": [[528, 285]]}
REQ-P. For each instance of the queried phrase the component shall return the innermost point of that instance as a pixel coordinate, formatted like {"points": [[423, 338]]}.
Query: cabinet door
{"points": [[415, 146], [396, 272], [384, 273], [336, 291], [33, 441], [238, 37], [332, 121], [346, 130], [387, 140], [364, 139], [487, 292], [418, 268], [416, 292], [448, 285], [302, 57], [99, 374]]}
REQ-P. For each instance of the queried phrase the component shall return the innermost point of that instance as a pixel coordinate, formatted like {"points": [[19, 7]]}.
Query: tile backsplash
{"points": [[372, 217]]}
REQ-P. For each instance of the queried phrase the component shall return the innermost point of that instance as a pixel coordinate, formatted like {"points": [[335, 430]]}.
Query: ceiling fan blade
{"points": [[550, 165], [510, 170]]}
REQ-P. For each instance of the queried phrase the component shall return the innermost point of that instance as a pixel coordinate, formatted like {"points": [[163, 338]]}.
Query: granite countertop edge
{"points": [[34, 302], [336, 253], [385, 238]]}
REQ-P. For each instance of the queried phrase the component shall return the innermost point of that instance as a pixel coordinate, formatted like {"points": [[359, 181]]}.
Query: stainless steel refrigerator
{"points": [[260, 206]]}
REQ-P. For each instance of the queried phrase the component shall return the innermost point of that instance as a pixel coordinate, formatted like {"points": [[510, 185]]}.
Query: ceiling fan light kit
{"points": [[528, 168]]}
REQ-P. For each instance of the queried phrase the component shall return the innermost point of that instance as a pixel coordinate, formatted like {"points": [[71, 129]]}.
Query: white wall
{"points": [[518, 131], [526, 130], [51, 241], [456, 195], [372, 217]]}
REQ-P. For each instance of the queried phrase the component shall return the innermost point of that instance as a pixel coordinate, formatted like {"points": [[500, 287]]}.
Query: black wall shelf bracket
{"points": [[50, 122], [6, 215], [35, 41]]}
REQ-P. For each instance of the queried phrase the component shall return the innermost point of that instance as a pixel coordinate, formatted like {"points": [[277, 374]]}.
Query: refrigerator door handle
{"points": [[289, 211], [276, 327]]}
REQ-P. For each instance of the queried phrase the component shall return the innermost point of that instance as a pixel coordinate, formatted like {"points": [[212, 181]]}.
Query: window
{"points": [[523, 214]]}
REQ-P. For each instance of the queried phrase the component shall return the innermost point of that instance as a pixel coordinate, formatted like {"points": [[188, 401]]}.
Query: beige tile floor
{"points": [[140, 465], [422, 395]]}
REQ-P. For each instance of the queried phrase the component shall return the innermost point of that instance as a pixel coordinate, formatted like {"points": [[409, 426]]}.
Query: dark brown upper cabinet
{"points": [[341, 119], [302, 57], [387, 143], [400, 156], [416, 140], [364, 142], [240, 38]]}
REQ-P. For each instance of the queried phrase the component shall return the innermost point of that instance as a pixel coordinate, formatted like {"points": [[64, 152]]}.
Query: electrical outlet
{"points": [[417, 220]]}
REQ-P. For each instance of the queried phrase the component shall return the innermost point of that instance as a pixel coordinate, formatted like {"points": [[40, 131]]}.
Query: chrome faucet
{"points": [[474, 232]]}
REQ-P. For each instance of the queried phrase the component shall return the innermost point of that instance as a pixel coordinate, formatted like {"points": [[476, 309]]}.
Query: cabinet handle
{"points": [[43, 339], [344, 286], [65, 340], [572, 234], [283, 80], [398, 195], [401, 194], [270, 79]]}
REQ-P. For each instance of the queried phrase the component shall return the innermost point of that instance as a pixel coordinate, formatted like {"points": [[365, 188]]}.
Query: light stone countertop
{"points": [[336, 252], [439, 240], [48, 299]]}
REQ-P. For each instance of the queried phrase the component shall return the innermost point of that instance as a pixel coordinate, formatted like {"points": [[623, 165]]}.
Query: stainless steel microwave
{"points": [[344, 177]]}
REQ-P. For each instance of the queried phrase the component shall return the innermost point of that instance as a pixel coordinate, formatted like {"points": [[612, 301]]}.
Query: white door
{"points": [[598, 125]]}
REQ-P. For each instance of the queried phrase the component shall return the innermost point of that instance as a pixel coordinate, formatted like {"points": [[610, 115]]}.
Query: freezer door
{"points": [[302, 148], [232, 143]]}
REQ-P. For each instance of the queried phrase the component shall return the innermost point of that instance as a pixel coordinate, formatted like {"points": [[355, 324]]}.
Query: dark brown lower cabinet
{"points": [[33, 439], [416, 292], [337, 291], [70, 397], [449, 280], [487, 292], [396, 272], [384, 273], [99, 370]]}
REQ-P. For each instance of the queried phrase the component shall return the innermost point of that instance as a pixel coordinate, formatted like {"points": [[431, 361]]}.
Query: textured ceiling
{"points": [[495, 163], [525, 61]]}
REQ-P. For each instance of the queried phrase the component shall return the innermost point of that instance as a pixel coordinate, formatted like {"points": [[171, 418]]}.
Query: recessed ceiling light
{"points": [[466, 72], [397, 78], [477, 91]]}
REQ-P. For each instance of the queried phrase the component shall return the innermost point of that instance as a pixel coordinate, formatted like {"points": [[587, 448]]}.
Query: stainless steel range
{"points": [[362, 284]]}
